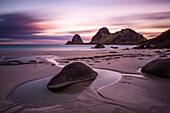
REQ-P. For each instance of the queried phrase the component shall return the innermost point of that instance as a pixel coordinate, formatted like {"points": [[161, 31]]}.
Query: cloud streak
{"points": [[147, 16], [18, 24], [22, 26]]}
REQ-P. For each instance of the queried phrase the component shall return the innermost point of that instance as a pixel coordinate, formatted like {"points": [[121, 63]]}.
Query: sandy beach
{"points": [[85, 56], [135, 92]]}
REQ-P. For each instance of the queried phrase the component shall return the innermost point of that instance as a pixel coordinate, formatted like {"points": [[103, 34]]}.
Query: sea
{"points": [[55, 47]]}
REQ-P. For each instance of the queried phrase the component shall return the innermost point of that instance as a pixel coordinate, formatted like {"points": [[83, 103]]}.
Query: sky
{"points": [[56, 21]]}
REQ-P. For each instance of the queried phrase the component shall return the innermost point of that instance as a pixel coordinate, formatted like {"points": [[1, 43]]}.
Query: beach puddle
{"points": [[36, 92]]}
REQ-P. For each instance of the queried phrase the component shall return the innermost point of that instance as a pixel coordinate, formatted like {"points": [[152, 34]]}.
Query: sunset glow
{"points": [[56, 21]]}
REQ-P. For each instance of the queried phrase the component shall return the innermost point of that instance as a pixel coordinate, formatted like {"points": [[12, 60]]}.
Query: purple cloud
{"points": [[147, 16], [18, 24]]}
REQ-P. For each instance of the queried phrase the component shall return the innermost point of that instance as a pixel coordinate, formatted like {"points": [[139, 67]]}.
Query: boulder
{"points": [[159, 67], [99, 46], [71, 73]]}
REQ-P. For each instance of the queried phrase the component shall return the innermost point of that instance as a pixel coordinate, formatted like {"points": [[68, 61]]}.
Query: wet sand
{"points": [[37, 94], [132, 94]]}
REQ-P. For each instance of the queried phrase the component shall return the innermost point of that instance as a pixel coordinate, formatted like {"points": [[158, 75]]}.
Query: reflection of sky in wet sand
{"points": [[36, 92]]}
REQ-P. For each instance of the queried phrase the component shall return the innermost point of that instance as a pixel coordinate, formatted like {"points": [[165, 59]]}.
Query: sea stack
{"points": [[75, 40], [125, 36], [71, 73], [103, 32]]}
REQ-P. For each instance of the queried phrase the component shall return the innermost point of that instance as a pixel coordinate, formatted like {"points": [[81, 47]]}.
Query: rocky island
{"points": [[125, 36], [103, 36], [75, 40]]}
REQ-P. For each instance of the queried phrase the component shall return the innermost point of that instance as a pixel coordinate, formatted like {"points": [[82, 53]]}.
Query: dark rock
{"points": [[163, 38], [162, 56], [114, 47], [126, 49], [125, 36], [52, 64], [168, 50], [160, 42], [99, 46], [75, 40], [158, 51], [160, 67], [91, 64], [143, 46], [71, 73], [139, 47], [69, 42], [112, 52], [99, 35]]}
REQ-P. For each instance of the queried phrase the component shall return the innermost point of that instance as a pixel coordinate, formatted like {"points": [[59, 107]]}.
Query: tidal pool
{"points": [[36, 92]]}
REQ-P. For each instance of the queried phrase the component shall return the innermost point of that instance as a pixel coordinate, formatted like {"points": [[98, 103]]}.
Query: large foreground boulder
{"points": [[71, 73], [160, 67]]}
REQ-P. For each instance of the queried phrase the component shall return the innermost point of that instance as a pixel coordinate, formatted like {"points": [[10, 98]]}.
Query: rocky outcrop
{"points": [[159, 67], [71, 73], [163, 38], [103, 32], [75, 40], [99, 46], [160, 42], [125, 36]]}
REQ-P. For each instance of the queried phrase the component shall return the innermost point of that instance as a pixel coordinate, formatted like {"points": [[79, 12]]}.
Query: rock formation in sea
{"points": [[71, 73], [125, 36], [75, 40], [159, 67], [102, 33]]}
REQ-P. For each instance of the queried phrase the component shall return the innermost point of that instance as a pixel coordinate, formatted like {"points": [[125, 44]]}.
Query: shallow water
{"points": [[36, 92], [53, 47], [37, 58]]}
